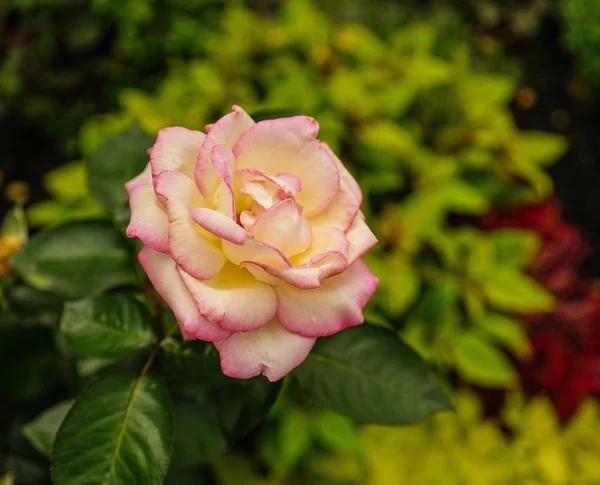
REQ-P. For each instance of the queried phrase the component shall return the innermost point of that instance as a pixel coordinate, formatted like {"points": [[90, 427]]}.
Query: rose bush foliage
{"points": [[253, 237]]}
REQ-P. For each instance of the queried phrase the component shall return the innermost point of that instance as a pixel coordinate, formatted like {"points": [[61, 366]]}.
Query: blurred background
{"points": [[472, 128]]}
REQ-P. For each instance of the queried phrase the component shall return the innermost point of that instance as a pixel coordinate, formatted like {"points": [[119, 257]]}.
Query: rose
{"points": [[253, 236]]}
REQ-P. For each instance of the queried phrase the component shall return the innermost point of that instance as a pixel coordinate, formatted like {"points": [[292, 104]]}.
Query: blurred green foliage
{"points": [[526, 445], [466, 449], [582, 37], [87, 51]]}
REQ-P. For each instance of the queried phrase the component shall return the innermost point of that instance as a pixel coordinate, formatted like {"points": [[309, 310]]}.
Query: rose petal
{"points": [[324, 258], [260, 193], [276, 188], [283, 226], [194, 253], [258, 251], [161, 270], [325, 240], [248, 218], [233, 299], [271, 351], [306, 277], [341, 213], [345, 176], [219, 224], [343, 209], [226, 132], [291, 180], [361, 238], [336, 304], [224, 200], [149, 221], [289, 145], [175, 149]]}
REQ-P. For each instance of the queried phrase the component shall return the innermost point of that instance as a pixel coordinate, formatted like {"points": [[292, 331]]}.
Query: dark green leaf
{"points": [[191, 362], [244, 404], [119, 431], [30, 300], [120, 159], [198, 437], [368, 374], [107, 326], [42, 430], [75, 260], [273, 114], [185, 476]]}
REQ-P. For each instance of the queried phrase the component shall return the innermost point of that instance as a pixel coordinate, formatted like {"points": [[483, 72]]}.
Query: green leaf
{"points": [[236, 469], [514, 247], [67, 182], [485, 89], [336, 432], [116, 162], [30, 300], [75, 260], [119, 431], [508, 332], [388, 137], [107, 326], [478, 362], [292, 442], [273, 114], [463, 198], [192, 362], [46, 212], [426, 71], [369, 374], [198, 437], [542, 147], [50, 213], [436, 303], [244, 404], [508, 289], [400, 282], [42, 430], [15, 224], [185, 476]]}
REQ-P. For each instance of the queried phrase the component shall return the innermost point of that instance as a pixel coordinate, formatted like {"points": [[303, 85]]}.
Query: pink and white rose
{"points": [[253, 236]]}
